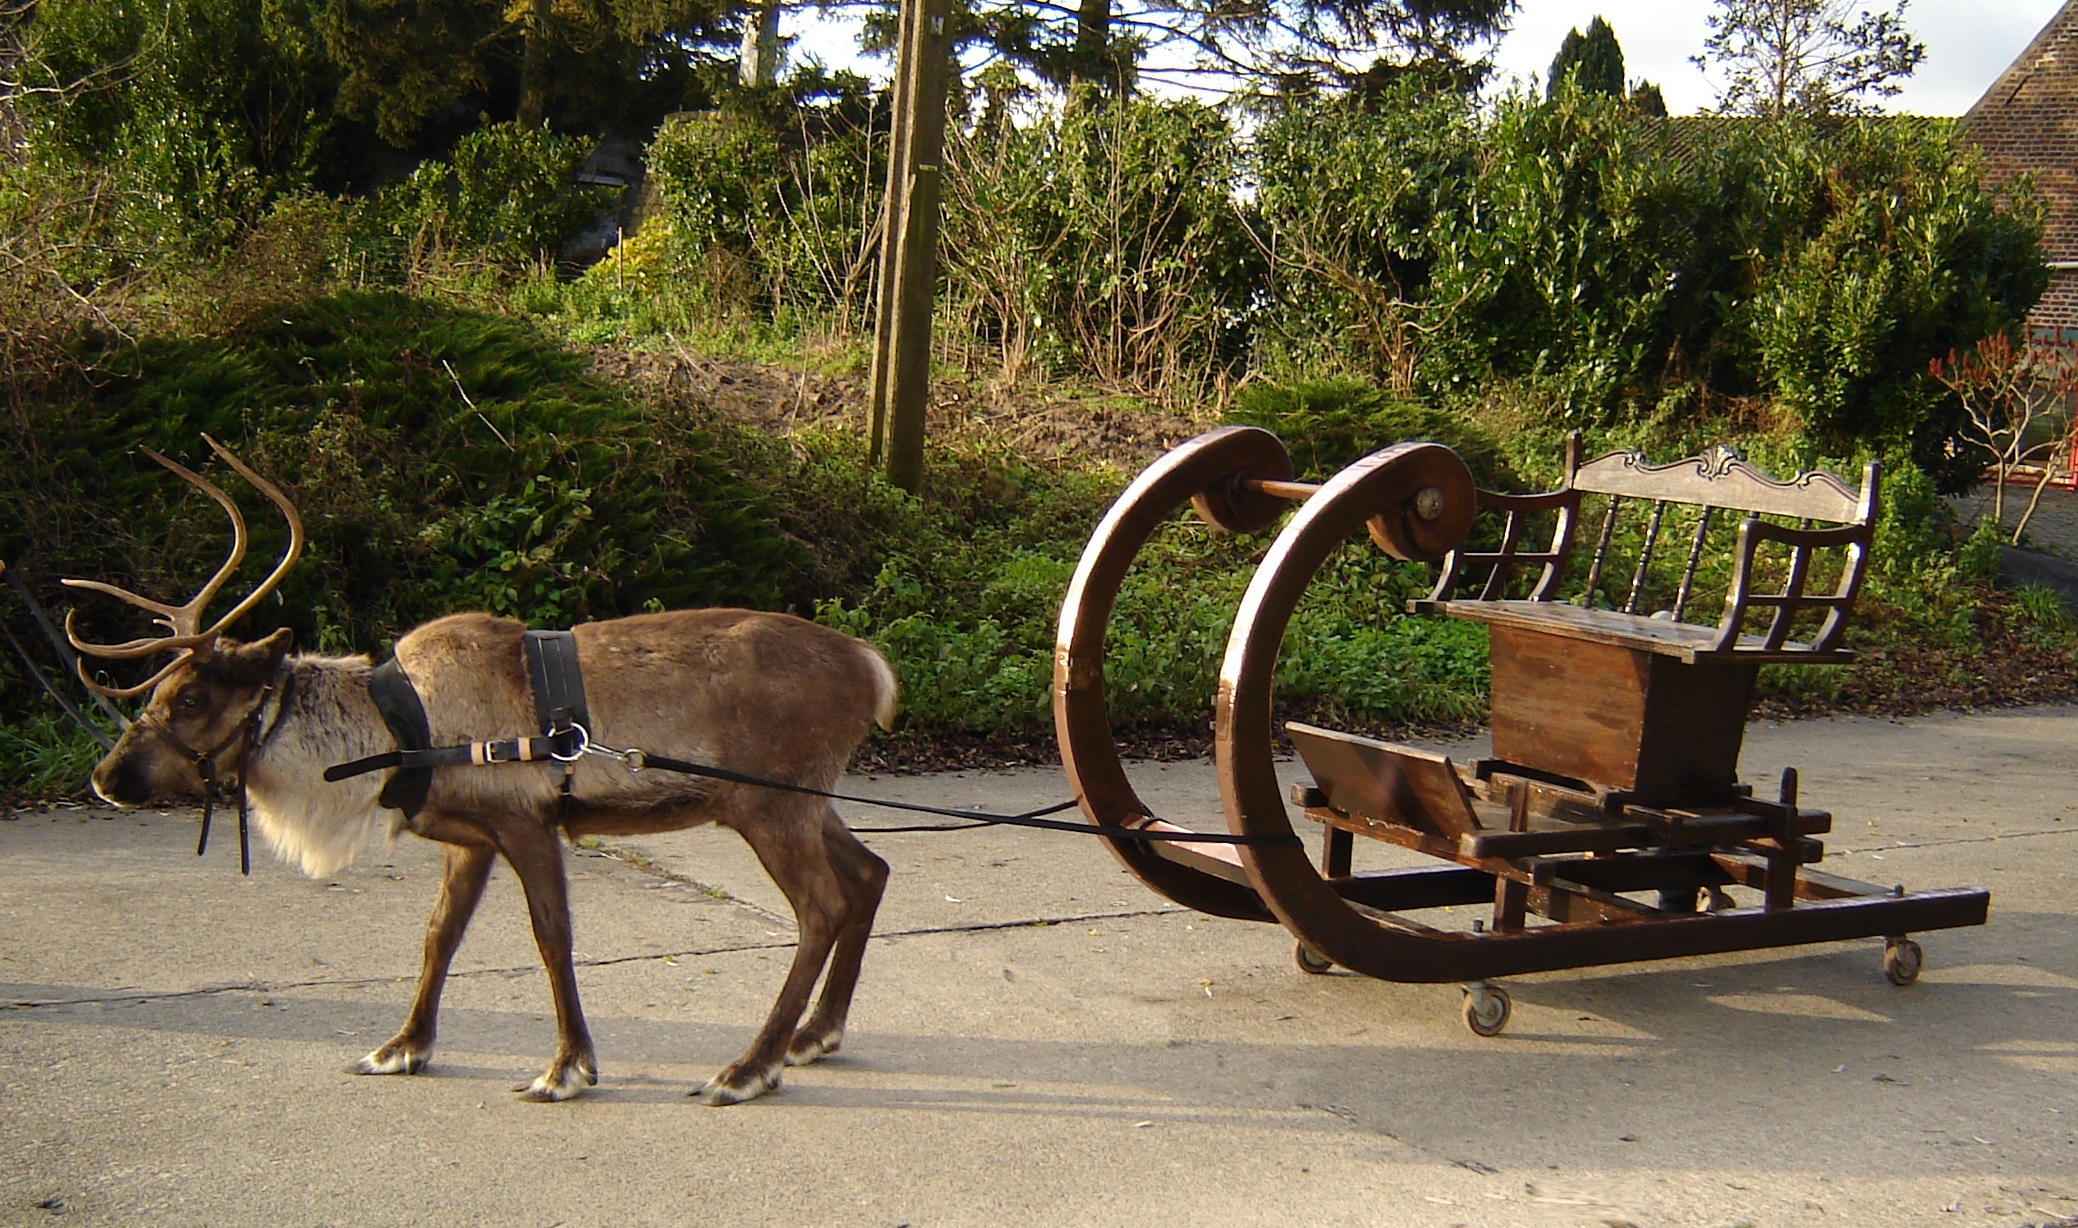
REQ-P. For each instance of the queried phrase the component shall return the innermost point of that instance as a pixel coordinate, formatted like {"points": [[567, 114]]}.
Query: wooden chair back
{"points": [[1717, 481]]}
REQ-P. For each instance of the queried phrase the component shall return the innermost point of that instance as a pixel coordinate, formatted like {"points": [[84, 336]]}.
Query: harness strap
{"points": [[257, 731], [1026, 818], [390, 687], [558, 681], [558, 685], [425, 759]]}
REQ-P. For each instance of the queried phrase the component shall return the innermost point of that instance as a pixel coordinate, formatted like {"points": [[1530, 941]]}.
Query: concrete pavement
{"points": [[172, 1037]]}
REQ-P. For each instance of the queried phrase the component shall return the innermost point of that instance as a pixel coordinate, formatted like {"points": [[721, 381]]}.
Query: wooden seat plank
{"points": [[1384, 780], [1686, 642]]}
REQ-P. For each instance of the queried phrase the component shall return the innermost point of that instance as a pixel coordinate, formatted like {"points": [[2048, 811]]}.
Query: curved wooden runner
{"points": [[1208, 470]]}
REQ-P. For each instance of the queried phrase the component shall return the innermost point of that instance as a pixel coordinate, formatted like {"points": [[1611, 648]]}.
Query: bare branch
{"points": [[1812, 56]]}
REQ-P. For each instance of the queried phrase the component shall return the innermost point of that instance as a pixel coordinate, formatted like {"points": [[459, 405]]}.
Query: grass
{"points": [[45, 756]]}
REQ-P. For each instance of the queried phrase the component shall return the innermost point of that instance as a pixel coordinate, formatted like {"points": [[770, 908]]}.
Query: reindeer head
{"points": [[204, 696]]}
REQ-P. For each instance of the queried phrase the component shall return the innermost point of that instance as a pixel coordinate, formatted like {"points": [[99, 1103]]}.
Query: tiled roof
{"points": [[1687, 139], [2028, 121]]}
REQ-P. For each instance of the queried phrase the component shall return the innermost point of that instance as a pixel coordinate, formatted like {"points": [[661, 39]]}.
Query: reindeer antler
{"points": [[182, 620]]}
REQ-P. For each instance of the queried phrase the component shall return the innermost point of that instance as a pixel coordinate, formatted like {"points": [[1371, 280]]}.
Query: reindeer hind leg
{"points": [[864, 878], [789, 842]]}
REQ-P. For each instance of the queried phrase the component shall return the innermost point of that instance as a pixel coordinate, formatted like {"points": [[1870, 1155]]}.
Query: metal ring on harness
{"points": [[584, 742]]}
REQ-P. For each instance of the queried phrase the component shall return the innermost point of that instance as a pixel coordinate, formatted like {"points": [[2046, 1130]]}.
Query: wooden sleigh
{"points": [[1610, 822]]}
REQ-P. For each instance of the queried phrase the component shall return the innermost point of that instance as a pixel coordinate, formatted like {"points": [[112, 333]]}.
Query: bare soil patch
{"points": [[2018, 666], [1038, 425]]}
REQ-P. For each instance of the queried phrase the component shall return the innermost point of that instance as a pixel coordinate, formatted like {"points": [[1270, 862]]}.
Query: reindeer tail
{"points": [[886, 691]]}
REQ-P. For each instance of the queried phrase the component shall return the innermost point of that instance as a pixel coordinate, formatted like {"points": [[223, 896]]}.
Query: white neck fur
{"points": [[326, 717]]}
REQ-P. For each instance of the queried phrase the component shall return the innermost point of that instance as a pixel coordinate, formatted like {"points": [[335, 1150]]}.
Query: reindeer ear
{"points": [[255, 661]]}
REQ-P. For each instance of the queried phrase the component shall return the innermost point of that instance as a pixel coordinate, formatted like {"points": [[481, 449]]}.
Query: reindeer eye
{"points": [[189, 702]]}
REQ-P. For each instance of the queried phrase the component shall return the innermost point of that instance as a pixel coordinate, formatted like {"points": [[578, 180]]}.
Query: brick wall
{"points": [[2056, 316], [2028, 121]]}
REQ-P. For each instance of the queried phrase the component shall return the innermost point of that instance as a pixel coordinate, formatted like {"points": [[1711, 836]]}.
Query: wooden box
{"points": [[1623, 719]]}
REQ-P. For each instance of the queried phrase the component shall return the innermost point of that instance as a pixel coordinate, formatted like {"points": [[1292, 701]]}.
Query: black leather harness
{"points": [[390, 687], [559, 707], [559, 711]]}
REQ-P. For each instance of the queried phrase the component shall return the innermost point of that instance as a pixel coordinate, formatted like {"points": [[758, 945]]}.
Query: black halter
{"points": [[248, 736]]}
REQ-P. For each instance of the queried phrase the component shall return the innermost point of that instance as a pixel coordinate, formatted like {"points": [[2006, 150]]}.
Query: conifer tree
{"points": [[1594, 61], [407, 61], [1259, 46]]}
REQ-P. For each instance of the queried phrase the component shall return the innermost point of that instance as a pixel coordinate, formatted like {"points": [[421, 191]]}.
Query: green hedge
{"points": [[1637, 268], [443, 459], [1614, 267]]}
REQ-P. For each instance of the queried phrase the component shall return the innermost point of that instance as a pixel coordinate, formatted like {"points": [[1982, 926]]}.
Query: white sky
{"points": [[1968, 43]]}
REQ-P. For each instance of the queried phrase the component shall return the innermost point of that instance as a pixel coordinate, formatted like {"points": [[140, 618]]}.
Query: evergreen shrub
{"points": [[443, 459], [506, 198], [1643, 269]]}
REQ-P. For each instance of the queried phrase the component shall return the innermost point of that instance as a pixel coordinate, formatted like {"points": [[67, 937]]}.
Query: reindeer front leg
{"points": [[468, 868], [530, 846]]}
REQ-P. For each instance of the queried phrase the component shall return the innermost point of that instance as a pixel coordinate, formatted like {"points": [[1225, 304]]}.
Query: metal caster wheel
{"points": [[1310, 960], [1677, 900], [1485, 1009], [1902, 960]]}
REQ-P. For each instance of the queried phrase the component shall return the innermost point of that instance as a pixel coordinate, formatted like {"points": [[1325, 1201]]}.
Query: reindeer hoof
{"points": [[562, 1081], [737, 1084], [812, 1047], [393, 1058]]}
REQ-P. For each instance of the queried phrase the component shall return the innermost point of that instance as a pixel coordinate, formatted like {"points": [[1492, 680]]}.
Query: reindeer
{"points": [[758, 693]]}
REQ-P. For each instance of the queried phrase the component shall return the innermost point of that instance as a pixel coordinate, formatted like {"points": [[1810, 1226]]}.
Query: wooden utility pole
{"points": [[533, 99], [757, 65], [890, 226], [909, 246]]}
